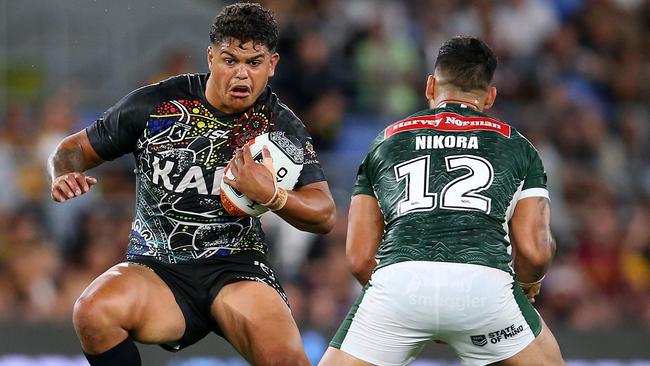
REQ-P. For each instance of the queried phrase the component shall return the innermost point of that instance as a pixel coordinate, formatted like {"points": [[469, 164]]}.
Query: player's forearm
{"points": [[532, 238], [65, 159], [531, 268], [309, 210], [365, 232], [70, 156], [363, 272], [529, 272]]}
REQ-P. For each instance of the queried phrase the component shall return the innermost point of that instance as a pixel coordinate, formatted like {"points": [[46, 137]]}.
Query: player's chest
{"points": [[188, 132]]}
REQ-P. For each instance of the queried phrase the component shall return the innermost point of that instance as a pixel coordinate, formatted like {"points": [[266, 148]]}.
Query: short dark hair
{"points": [[245, 22], [467, 62]]}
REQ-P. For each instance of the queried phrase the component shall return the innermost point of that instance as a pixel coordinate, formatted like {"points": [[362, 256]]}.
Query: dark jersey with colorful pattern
{"points": [[181, 145], [447, 180]]}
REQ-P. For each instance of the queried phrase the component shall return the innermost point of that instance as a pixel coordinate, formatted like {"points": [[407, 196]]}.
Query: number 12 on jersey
{"points": [[461, 193]]}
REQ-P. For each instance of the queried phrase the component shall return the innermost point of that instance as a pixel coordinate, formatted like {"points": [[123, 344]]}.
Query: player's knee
{"points": [[90, 313]]}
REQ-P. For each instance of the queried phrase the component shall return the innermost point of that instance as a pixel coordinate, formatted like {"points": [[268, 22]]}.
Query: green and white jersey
{"points": [[447, 181]]}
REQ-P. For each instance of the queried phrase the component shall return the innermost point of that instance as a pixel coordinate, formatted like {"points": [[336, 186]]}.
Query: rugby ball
{"points": [[287, 157]]}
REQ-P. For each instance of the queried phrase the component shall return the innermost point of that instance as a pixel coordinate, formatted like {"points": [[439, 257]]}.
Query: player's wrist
{"points": [[265, 197], [527, 285], [278, 200]]}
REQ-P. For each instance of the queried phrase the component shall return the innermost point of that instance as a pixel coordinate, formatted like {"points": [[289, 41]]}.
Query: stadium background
{"points": [[574, 76]]}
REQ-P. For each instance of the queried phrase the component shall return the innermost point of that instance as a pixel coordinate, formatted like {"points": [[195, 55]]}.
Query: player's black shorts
{"points": [[195, 285]]}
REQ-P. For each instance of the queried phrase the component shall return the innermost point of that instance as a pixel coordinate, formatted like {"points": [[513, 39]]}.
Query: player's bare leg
{"points": [[336, 357], [128, 299], [543, 351], [258, 323]]}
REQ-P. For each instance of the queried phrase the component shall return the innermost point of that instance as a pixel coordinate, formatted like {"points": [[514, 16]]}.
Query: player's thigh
{"points": [[258, 323], [543, 351], [336, 357], [135, 298], [384, 326]]}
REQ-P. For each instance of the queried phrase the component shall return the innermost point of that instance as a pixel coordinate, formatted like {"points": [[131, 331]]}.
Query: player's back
{"points": [[446, 180]]}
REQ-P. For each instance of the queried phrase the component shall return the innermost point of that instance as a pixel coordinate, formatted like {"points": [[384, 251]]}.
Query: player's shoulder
{"points": [[521, 138], [159, 86], [283, 115], [183, 85], [383, 136], [520, 144], [509, 131]]}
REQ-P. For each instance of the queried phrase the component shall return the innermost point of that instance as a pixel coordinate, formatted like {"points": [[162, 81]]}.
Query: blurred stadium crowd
{"points": [[574, 76]]}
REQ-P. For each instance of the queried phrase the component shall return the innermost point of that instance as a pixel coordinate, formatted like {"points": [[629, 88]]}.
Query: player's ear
{"points": [[210, 56], [431, 86], [491, 96], [275, 58]]}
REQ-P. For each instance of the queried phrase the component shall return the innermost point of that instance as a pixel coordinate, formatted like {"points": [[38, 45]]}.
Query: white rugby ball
{"points": [[287, 157]]}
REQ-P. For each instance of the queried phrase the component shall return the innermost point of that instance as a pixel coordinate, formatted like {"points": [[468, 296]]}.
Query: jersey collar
{"points": [[445, 103]]}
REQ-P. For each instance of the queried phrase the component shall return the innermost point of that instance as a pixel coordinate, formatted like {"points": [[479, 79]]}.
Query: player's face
{"points": [[239, 74]]}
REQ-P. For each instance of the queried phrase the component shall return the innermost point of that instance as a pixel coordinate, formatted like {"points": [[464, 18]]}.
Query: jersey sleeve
{"points": [[535, 179], [363, 185], [312, 171], [365, 181], [117, 131]]}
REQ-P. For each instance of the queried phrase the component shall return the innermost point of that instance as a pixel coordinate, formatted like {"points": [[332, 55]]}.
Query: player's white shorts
{"points": [[479, 311]]}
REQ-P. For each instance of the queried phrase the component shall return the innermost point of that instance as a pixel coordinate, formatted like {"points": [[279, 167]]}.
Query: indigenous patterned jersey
{"points": [[447, 180], [181, 145]]}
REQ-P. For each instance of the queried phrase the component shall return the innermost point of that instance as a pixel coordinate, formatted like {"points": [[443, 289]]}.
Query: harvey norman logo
{"points": [[448, 122]]}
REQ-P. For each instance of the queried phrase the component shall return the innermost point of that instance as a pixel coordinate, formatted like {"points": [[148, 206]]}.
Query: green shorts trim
{"points": [[527, 310], [337, 341]]}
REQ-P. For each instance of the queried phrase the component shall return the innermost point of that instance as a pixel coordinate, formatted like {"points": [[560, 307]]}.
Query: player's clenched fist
{"points": [[71, 185]]}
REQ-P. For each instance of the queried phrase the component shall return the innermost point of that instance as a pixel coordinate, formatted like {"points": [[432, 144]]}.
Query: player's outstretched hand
{"points": [[71, 185], [255, 180]]}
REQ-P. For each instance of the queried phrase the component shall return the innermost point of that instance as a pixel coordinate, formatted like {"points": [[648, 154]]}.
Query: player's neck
{"points": [[469, 100], [463, 104]]}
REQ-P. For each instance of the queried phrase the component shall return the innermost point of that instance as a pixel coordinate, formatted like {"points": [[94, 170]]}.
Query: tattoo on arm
{"points": [[66, 159], [544, 229]]}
